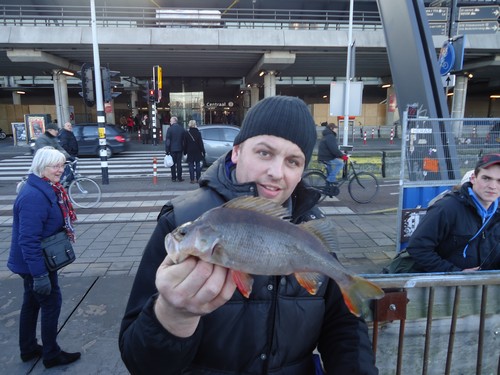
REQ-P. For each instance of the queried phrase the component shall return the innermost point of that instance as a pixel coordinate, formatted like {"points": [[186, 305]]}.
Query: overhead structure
{"points": [[415, 73]]}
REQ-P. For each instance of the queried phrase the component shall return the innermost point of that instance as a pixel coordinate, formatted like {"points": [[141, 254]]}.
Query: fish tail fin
{"points": [[357, 291], [243, 281]]}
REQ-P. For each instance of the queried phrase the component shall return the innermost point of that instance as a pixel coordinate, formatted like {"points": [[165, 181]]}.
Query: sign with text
{"points": [[437, 14], [480, 13], [484, 27]]}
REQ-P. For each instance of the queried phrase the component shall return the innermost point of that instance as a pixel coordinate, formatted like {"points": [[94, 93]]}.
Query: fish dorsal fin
{"points": [[325, 231], [258, 204]]}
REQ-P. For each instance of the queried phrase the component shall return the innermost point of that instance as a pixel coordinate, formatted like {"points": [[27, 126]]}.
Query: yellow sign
{"points": [[102, 132], [159, 77]]}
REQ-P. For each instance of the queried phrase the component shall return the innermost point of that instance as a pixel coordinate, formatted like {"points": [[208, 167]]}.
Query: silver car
{"points": [[218, 140]]}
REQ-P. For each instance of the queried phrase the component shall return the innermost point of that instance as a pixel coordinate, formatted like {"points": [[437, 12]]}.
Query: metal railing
{"points": [[112, 16], [470, 138], [437, 323]]}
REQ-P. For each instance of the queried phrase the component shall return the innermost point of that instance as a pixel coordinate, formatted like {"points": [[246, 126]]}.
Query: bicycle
{"points": [[82, 191], [362, 186]]}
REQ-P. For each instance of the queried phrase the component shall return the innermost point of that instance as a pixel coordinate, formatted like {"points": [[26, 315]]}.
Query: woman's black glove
{"points": [[41, 284]]}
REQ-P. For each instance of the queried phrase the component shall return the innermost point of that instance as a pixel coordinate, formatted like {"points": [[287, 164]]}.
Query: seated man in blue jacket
{"points": [[461, 231]]}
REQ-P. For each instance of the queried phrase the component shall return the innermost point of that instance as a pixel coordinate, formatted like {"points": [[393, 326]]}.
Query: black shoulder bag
{"points": [[58, 251]]}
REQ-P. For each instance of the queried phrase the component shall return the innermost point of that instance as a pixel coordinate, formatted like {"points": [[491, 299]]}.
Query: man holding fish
{"points": [[250, 284]]}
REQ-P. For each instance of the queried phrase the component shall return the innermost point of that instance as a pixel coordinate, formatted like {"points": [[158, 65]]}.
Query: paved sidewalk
{"points": [[110, 241]]}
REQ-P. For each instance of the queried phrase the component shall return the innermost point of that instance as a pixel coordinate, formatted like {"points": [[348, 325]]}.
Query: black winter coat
{"points": [[195, 149], [273, 332], [175, 139], [328, 148], [68, 141], [439, 240]]}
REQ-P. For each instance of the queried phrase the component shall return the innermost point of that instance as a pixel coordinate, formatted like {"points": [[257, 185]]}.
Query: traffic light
{"points": [[87, 77], [108, 83], [152, 96]]}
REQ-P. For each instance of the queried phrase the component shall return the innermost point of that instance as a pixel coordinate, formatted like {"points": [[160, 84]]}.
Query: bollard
{"points": [[373, 133], [155, 177], [139, 135], [392, 136], [378, 132], [364, 138]]}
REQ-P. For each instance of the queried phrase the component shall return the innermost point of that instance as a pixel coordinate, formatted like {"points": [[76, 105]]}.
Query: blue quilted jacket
{"points": [[36, 216]]}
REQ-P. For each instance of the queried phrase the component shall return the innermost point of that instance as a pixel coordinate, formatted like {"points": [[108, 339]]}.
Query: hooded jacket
{"points": [[273, 332], [328, 148], [438, 242], [37, 215]]}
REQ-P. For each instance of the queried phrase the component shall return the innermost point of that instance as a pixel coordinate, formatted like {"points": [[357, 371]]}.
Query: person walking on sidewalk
{"points": [[329, 153], [49, 138], [461, 231], [68, 140], [42, 209], [174, 146], [189, 317], [195, 151]]}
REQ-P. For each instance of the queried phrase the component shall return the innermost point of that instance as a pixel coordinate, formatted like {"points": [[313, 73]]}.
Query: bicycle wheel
{"points": [[316, 180], [84, 192], [363, 187]]}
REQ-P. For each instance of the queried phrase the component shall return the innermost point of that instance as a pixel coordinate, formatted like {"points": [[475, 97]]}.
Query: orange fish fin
{"points": [[357, 291], [258, 204], [310, 281], [243, 281], [325, 231]]}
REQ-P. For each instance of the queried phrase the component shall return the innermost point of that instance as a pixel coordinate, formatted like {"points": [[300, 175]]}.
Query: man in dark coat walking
{"points": [[68, 140], [174, 146]]}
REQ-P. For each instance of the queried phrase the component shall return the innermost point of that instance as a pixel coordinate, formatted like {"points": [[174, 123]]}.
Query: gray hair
{"points": [[44, 157], [192, 123]]}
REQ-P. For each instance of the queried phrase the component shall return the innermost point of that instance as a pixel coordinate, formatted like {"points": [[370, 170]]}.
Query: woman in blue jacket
{"points": [[41, 209]]}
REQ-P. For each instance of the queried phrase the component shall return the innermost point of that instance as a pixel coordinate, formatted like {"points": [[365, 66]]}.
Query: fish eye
{"points": [[183, 229]]}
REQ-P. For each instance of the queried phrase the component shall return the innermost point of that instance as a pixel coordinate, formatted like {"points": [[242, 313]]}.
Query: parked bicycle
{"points": [[362, 186], [83, 191], [3, 135]]}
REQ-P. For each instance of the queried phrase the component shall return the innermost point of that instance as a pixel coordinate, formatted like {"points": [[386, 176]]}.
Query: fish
{"points": [[253, 236]]}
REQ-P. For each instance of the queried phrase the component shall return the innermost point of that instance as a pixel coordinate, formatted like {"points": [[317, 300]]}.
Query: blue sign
{"points": [[446, 58]]}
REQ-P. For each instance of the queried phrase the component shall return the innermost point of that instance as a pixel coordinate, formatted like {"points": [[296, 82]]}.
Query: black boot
{"points": [[32, 355], [62, 358]]}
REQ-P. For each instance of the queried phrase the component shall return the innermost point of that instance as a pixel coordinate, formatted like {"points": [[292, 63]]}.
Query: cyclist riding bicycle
{"points": [[329, 153]]}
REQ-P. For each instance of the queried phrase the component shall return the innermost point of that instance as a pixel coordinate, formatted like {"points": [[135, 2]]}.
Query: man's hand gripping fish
{"points": [[250, 236]]}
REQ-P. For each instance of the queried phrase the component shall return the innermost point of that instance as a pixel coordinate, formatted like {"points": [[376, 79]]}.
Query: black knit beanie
{"points": [[282, 116]]}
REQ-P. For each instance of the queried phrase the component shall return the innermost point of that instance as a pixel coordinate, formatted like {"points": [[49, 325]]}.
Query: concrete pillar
{"points": [[133, 103], [61, 97], [254, 95], [270, 84], [458, 103], [391, 106], [16, 98]]}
